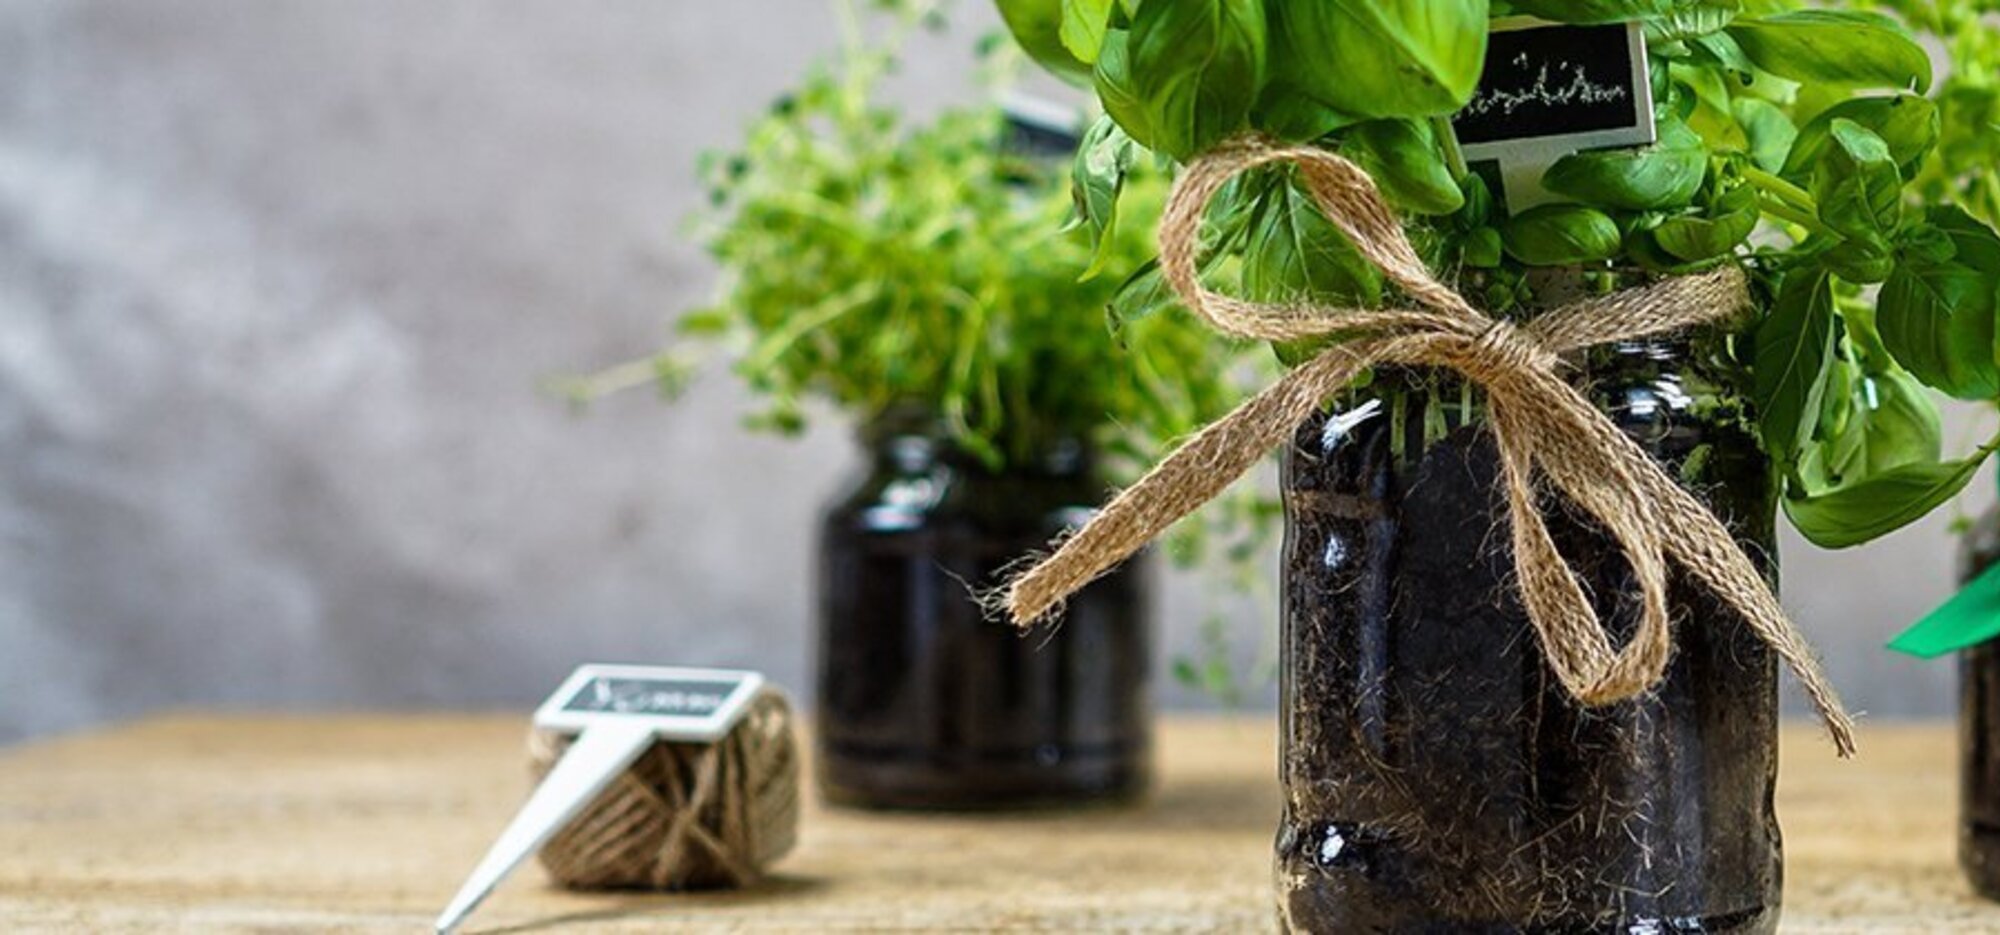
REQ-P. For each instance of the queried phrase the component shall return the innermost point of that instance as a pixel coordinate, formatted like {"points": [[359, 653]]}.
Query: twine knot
{"points": [[1503, 348], [1545, 430]]}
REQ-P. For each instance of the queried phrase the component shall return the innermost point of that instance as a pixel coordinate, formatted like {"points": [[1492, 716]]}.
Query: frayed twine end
{"points": [[1006, 601]]}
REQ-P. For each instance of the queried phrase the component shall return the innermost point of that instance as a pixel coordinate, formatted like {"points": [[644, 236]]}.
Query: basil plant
{"points": [[1803, 144]]}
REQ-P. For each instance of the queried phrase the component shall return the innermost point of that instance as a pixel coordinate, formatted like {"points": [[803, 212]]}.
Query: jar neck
{"points": [[912, 445]]}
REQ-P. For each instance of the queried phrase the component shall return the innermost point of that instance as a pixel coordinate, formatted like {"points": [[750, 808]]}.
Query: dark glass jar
{"points": [[1437, 776], [925, 701], [1979, 732]]}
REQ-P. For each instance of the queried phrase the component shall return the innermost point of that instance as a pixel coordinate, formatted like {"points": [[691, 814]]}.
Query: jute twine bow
{"points": [[685, 815], [1542, 427]]}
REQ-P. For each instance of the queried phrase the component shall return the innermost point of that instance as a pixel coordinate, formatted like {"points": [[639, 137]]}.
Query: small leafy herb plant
{"points": [[883, 266], [1805, 145]]}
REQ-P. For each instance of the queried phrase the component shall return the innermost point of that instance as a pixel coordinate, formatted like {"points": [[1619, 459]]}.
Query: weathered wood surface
{"points": [[368, 823]]}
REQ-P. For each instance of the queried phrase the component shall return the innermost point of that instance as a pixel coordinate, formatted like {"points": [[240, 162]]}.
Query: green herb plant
{"points": [[882, 266], [1801, 144], [1967, 167]]}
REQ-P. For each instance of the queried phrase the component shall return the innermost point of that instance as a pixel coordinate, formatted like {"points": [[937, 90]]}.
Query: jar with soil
{"points": [[1437, 776], [1979, 731], [925, 702]]}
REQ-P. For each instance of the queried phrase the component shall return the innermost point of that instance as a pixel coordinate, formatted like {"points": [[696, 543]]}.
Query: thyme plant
{"points": [[881, 264]]}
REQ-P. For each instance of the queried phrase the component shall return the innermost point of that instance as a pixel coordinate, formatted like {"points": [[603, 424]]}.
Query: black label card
{"points": [[1548, 88], [675, 703], [668, 697]]}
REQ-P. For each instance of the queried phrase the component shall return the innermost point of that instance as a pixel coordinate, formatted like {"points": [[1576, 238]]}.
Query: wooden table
{"points": [[366, 823]]}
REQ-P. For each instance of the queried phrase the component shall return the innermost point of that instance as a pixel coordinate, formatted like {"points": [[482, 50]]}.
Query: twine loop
{"points": [[1549, 436]]}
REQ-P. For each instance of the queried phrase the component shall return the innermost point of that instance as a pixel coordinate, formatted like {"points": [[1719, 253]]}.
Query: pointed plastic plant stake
{"points": [[617, 713], [1970, 618]]}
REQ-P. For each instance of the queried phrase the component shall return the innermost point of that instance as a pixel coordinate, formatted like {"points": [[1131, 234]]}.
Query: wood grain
{"points": [[368, 823]]}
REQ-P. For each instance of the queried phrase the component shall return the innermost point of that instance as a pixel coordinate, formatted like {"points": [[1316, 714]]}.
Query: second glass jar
{"points": [[927, 702]]}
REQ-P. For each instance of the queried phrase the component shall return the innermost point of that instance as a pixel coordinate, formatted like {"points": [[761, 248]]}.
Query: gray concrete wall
{"points": [[277, 281]]}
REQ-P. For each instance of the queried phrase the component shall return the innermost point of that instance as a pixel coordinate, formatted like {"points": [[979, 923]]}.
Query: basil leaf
{"points": [[1936, 319], [1287, 108], [1881, 504], [1692, 21], [1038, 25], [1844, 405], [1664, 175], [1937, 316], [1385, 58], [1767, 129], [1792, 357], [1872, 425], [1856, 184], [1235, 210], [1141, 295], [1973, 244], [1591, 12], [1198, 65], [1294, 253], [1117, 89], [1927, 242], [1479, 205], [1097, 178], [1908, 123], [1644, 251], [1560, 235], [1857, 324], [1729, 221], [1481, 248], [1722, 53], [1293, 353], [1900, 425], [1405, 160], [1711, 116], [1287, 112], [1083, 26], [1837, 47], [1863, 260]]}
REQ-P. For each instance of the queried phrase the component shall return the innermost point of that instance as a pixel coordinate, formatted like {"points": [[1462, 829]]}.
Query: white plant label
{"points": [[618, 713]]}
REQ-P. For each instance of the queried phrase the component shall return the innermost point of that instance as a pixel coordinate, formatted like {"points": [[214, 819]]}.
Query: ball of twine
{"points": [[684, 815]]}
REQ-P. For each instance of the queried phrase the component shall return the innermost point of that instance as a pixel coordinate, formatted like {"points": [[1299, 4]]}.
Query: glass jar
{"points": [[1437, 776], [1979, 731], [927, 702]]}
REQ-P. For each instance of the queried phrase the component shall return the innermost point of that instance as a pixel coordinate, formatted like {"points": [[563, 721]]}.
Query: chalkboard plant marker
{"points": [[1526, 425], [617, 713], [1549, 90], [914, 276]]}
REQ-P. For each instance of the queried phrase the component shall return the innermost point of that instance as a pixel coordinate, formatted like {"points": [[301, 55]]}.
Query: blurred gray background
{"points": [[278, 279]]}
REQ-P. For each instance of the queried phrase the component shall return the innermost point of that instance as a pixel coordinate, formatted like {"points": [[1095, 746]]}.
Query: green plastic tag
{"points": [[1970, 618]]}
